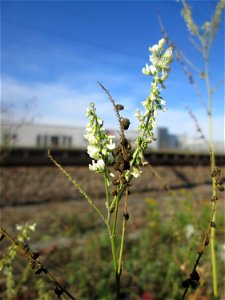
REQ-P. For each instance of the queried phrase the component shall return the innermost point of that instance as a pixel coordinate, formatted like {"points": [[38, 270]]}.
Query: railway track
{"points": [[79, 157]]}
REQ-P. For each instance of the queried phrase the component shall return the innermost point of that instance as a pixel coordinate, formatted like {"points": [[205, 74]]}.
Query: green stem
{"points": [[212, 163], [121, 246], [107, 195], [115, 264]]}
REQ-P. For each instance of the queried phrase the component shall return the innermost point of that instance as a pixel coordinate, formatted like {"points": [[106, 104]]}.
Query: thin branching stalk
{"points": [[77, 185], [206, 37], [35, 263]]}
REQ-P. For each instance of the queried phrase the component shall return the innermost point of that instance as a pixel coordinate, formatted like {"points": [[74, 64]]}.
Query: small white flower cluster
{"points": [[25, 231], [100, 144], [159, 70]]}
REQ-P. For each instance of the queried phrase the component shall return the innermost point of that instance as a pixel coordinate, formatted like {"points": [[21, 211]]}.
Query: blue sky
{"points": [[56, 51]]}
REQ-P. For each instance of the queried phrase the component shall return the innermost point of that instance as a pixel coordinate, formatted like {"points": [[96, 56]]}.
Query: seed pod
{"points": [[126, 165], [26, 247], [124, 142], [219, 181], [214, 198], [194, 283], [121, 166], [112, 209], [32, 264], [195, 276], [115, 181], [123, 179], [213, 224], [114, 192], [41, 269], [206, 240], [58, 291], [220, 188], [119, 107], [127, 156], [126, 216], [125, 123], [185, 283], [119, 158], [2, 236], [35, 255]]}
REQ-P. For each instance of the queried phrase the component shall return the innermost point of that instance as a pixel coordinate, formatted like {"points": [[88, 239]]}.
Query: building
{"points": [[57, 136]]}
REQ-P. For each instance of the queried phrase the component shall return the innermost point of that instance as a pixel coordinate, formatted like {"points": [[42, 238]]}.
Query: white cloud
{"points": [[65, 103]]}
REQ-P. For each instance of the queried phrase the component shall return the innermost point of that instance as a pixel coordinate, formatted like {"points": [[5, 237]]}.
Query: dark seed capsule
{"points": [[185, 283], [220, 188], [114, 192], [2, 236], [40, 270], [35, 255], [115, 181], [194, 275], [124, 142], [213, 224], [126, 165], [119, 107], [58, 291], [32, 264], [26, 247], [219, 181], [214, 198], [112, 209], [125, 123], [126, 216], [123, 179], [119, 158], [121, 166], [194, 283], [206, 241]]}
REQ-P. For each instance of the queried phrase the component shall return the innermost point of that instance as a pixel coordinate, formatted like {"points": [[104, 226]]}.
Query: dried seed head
{"points": [[123, 179], [119, 107], [126, 216], [125, 123], [119, 159], [124, 141], [115, 181]]}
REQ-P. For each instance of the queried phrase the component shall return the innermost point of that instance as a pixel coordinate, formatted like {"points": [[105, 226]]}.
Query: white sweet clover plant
{"points": [[100, 144], [159, 70]]}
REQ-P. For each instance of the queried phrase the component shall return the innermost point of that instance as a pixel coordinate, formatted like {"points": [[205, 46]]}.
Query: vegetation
{"points": [[156, 254]]}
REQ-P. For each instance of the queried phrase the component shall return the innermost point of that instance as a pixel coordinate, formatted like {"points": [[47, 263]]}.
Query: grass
{"points": [[159, 252]]}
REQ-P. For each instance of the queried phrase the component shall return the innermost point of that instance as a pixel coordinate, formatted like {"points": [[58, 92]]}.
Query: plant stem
{"points": [[115, 264], [121, 246], [36, 262], [212, 163]]}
